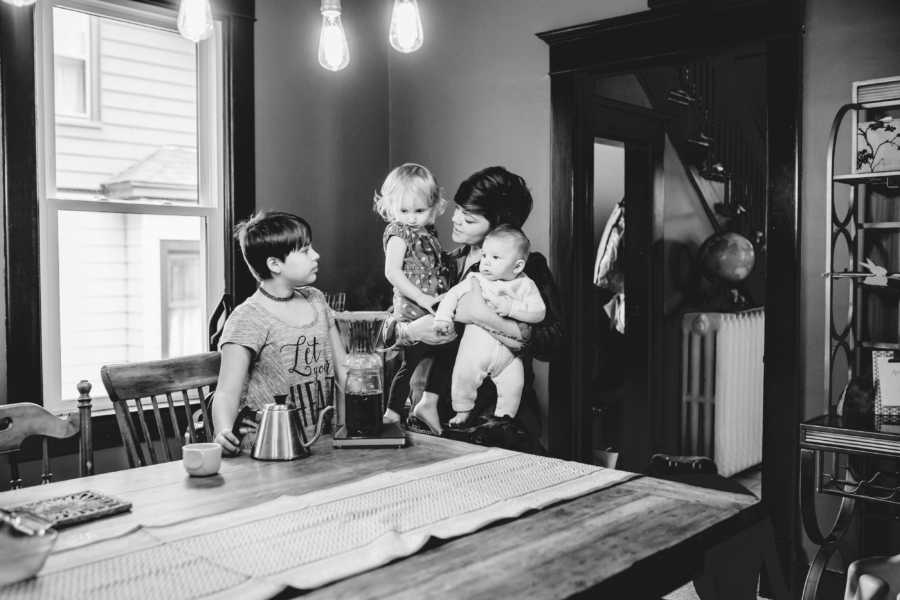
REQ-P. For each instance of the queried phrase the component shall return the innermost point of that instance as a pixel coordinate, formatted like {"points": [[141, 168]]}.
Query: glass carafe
{"points": [[360, 406]]}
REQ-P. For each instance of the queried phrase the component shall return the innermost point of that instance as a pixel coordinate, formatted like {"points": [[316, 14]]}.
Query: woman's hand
{"points": [[422, 330], [473, 309]]}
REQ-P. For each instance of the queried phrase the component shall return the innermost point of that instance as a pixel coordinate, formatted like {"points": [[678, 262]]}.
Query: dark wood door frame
{"points": [[670, 36]]}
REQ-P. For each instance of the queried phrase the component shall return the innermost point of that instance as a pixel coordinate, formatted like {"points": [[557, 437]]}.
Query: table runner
{"points": [[310, 540]]}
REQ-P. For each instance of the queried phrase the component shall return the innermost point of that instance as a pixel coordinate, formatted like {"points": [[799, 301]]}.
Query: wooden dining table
{"points": [[640, 538]]}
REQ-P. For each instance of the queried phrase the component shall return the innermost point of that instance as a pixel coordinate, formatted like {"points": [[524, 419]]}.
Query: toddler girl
{"points": [[409, 201]]}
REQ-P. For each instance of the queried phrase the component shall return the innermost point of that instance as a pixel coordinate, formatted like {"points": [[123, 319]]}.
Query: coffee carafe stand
{"points": [[360, 406]]}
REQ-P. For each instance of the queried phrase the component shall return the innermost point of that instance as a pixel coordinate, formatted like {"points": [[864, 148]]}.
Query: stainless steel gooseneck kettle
{"points": [[280, 434]]}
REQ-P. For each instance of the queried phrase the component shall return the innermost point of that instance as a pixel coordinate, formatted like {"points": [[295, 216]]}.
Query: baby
{"points": [[510, 293]]}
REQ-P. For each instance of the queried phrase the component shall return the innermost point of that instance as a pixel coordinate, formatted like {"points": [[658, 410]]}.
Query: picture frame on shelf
{"points": [[876, 131], [886, 380]]}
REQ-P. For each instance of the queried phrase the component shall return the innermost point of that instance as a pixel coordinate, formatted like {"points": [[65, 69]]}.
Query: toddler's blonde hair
{"points": [[405, 180]]}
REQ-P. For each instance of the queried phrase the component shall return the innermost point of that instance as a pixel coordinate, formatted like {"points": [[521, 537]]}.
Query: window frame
{"points": [[209, 192], [19, 183]]}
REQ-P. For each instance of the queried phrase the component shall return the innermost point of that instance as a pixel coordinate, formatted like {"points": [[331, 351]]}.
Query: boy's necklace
{"points": [[274, 297]]}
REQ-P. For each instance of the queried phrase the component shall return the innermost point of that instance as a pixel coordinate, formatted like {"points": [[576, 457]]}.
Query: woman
{"points": [[488, 198]]}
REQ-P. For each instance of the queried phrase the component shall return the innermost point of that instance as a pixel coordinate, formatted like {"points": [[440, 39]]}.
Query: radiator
{"points": [[722, 387]]}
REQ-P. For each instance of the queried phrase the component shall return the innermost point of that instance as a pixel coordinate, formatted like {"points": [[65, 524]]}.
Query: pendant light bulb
{"points": [[195, 21], [334, 54], [406, 26], [20, 2]]}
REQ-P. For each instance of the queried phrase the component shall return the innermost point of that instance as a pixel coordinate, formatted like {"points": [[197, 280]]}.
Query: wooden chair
{"points": [[163, 387], [24, 419]]}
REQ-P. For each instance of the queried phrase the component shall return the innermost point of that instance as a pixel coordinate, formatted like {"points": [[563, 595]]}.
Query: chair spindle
{"points": [[145, 430], [46, 475], [163, 438], [15, 480], [207, 423], [186, 405]]}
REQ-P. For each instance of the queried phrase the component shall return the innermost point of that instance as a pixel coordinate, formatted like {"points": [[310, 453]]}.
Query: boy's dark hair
{"points": [[500, 196], [515, 235], [268, 234]]}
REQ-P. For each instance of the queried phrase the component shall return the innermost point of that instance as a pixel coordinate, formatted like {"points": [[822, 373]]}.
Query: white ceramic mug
{"points": [[201, 460]]}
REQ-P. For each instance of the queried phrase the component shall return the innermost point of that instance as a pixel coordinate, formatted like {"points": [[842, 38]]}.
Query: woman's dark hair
{"points": [[496, 194], [268, 234]]}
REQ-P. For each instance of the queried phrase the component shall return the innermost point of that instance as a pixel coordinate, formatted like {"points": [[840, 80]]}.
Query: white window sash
{"points": [[210, 184]]}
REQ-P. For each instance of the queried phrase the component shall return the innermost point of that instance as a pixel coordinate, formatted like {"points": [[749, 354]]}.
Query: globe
{"points": [[727, 256]]}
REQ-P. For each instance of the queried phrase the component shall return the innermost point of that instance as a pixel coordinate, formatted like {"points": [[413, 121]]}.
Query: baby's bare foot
{"points": [[390, 416], [460, 419], [427, 412]]}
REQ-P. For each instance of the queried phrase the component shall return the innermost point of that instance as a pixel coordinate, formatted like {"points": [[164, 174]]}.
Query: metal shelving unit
{"points": [[830, 444]]}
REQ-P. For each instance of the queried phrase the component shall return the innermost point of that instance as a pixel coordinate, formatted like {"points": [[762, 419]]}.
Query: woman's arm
{"points": [[473, 309], [543, 339], [394, 252], [232, 373]]}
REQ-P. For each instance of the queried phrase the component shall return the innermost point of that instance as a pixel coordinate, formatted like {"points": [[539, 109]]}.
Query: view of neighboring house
{"points": [[131, 282]]}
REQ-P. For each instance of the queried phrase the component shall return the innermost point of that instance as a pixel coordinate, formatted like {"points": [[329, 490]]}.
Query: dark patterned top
{"points": [[423, 265]]}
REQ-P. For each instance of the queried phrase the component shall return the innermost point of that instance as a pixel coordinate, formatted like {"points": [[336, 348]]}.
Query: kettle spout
{"points": [[318, 427]]}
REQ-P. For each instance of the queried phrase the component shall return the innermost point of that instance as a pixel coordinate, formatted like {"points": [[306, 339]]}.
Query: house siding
{"points": [[147, 99]]}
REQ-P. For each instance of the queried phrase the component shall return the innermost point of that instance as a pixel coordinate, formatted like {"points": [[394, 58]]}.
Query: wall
{"points": [[322, 137], [845, 42], [478, 94]]}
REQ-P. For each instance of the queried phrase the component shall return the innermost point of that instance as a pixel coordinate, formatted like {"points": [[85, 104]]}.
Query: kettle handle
{"points": [[318, 427]]}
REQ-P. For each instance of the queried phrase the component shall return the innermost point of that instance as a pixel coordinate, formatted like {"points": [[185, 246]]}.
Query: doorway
{"points": [[624, 144], [678, 35]]}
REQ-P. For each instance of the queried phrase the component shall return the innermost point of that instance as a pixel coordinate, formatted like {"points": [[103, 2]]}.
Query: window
{"points": [[182, 304], [75, 64], [131, 211]]}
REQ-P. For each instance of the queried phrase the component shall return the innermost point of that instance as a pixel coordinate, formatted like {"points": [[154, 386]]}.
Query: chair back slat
{"points": [[207, 421], [21, 420], [163, 382], [156, 377], [159, 427], [25, 419], [145, 431]]}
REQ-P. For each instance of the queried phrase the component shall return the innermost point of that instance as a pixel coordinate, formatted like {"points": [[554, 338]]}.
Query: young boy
{"points": [[282, 339], [511, 294]]}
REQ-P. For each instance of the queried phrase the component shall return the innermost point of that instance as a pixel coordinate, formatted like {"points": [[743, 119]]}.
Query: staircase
{"points": [[717, 126]]}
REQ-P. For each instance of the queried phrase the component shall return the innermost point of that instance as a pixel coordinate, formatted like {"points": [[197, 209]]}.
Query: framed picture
{"points": [[876, 130], [886, 378]]}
